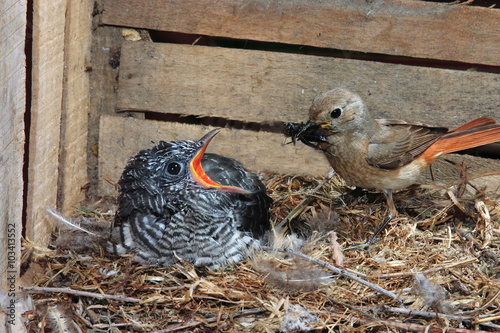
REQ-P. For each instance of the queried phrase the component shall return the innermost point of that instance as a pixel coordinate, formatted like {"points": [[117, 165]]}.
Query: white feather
{"points": [[65, 221], [60, 321]]}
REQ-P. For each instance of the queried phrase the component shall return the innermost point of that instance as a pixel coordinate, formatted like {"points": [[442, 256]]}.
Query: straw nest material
{"points": [[440, 260]]}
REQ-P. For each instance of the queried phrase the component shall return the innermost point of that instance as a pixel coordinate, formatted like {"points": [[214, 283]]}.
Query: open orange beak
{"points": [[201, 177]]}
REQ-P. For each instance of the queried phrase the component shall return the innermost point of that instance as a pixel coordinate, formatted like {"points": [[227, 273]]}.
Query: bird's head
{"points": [[166, 172], [339, 111], [179, 166]]}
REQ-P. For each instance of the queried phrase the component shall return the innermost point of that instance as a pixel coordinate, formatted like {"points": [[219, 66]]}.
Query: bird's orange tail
{"points": [[483, 121], [475, 133]]}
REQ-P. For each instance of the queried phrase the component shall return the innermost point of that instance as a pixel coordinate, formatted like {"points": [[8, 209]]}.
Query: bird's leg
{"points": [[373, 239], [392, 213]]}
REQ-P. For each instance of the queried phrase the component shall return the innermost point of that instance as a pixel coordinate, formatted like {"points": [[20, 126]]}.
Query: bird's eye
{"points": [[174, 168], [336, 113]]}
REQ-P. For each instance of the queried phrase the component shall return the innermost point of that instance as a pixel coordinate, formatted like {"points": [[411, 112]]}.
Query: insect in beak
{"points": [[307, 133]]}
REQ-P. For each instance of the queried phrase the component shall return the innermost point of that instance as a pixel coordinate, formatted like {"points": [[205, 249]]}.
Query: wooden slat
{"points": [[12, 109], [76, 103], [106, 46], [122, 138], [257, 86], [48, 65], [395, 27]]}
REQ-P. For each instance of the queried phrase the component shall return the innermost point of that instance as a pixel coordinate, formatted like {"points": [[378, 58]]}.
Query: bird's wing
{"points": [[252, 210], [399, 142]]}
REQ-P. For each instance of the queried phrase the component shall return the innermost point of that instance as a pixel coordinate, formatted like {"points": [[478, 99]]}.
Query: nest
{"points": [[439, 258]]}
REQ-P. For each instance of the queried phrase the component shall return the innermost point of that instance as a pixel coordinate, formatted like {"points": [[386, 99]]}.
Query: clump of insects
{"points": [[307, 133]]}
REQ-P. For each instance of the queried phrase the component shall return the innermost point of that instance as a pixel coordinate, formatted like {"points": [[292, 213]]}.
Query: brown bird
{"points": [[383, 154]]}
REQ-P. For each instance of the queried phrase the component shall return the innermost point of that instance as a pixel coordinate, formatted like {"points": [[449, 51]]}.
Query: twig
{"points": [[406, 326], [303, 204], [484, 306], [484, 320], [432, 270], [81, 293], [398, 291], [427, 314], [334, 269], [181, 326], [297, 210], [349, 306], [108, 326], [480, 175]]}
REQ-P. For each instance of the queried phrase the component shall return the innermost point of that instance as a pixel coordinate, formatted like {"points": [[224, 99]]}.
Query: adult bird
{"points": [[176, 202], [383, 154]]}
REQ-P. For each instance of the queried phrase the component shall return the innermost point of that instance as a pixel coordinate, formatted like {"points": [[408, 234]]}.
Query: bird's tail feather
{"points": [[478, 132], [476, 123]]}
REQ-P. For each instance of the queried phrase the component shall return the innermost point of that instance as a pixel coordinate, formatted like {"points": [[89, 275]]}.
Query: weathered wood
{"points": [[122, 138], [106, 50], [257, 86], [76, 104], [394, 27], [106, 45], [12, 109], [104, 85], [48, 66]]}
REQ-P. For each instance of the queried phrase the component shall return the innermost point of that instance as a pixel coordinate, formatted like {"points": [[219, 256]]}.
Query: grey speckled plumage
{"points": [[168, 209]]}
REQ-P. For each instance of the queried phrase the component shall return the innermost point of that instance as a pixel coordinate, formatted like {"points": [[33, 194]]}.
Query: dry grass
{"points": [[452, 240]]}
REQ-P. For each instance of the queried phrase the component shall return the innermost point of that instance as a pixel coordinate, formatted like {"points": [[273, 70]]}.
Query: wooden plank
{"points": [[258, 86], [104, 85], [122, 138], [12, 109], [395, 27], [76, 105], [106, 48], [48, 65]]}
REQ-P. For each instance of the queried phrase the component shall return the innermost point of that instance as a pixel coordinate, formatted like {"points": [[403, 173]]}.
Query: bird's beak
{"points": [[201, 177], [325, 124]]}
